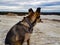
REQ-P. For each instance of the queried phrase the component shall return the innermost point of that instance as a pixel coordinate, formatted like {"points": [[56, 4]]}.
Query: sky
{"points": [[24, 5]]}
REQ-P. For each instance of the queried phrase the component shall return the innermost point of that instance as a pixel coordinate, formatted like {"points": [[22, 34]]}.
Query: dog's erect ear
{"points": [[38, 9], [30, 11]]}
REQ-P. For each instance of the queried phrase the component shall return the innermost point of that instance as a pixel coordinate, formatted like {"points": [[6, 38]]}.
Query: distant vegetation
{"points": [[50, 13], [18, 13], [24, 13]]}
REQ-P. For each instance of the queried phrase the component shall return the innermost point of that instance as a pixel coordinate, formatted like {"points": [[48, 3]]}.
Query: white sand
{"points": [[46, 33]]}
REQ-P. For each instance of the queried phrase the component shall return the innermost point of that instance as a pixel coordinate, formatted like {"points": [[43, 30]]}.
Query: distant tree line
{"points": [[23, 13], [18, 13], [50, 13]]}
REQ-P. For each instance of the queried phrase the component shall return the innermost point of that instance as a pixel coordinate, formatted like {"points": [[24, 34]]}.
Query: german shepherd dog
{"points": [[21, 31]]}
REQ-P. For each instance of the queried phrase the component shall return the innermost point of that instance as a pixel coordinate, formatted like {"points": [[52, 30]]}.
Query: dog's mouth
{"points": [[39, 20]]}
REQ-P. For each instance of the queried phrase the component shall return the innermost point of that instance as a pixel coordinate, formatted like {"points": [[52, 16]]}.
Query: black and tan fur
{"points": [[21, 31]]}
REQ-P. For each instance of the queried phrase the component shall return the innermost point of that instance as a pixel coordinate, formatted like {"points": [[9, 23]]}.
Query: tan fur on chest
{"points": [[24, 23], [27, 36]]}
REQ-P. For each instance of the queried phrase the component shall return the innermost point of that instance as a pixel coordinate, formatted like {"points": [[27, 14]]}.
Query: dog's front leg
{"points": [[28, 42]]}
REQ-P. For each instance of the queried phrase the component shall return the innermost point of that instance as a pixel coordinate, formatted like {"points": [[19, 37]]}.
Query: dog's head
{"points": [[35, 15]]}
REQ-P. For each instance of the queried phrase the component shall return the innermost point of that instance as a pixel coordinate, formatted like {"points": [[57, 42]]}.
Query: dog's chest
{"points": [[27, 36]]}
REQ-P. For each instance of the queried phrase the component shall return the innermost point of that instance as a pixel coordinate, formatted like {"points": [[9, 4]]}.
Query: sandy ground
{"points": [[46, 33]]}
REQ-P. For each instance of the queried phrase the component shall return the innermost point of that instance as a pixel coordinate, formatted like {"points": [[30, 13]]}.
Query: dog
{"points": [[22, 31]]}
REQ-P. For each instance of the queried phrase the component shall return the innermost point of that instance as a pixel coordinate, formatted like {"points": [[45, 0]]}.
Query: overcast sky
{"points": [[24, 5]]}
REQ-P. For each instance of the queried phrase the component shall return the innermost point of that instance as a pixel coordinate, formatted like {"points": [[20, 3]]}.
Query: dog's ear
{"points": [[38, 9], [30, 11], [37, 13]]}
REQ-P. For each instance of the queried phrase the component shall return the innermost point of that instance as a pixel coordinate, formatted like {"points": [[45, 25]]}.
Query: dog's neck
{"points": [[25, 23], [28, 22]]}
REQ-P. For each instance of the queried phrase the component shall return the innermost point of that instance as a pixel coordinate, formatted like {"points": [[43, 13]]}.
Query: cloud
{"points": [[24, 5], [6, 0], [55, 8], [11, 8]]}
